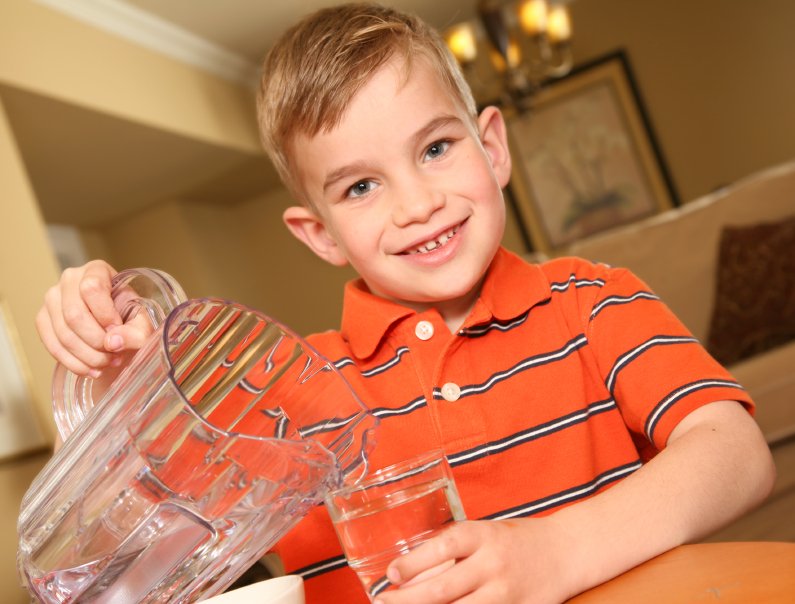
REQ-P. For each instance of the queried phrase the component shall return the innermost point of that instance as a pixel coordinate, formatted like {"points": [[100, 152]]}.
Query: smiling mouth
{"points": [[434, 244]]}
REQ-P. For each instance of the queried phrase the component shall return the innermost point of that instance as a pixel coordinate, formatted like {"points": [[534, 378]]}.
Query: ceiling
{"points": [[249, 27], [89, 168]]}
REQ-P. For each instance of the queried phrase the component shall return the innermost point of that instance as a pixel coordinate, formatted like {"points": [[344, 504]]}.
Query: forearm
{"points": [[716, 467]]}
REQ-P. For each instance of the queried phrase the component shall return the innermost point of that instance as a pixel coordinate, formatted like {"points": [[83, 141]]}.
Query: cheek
{"points": [[352, 235], [478, 175], [483, 187], [490, 202]]}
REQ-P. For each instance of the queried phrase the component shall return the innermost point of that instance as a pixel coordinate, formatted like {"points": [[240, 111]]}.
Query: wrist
{"points": [[579, 565]]}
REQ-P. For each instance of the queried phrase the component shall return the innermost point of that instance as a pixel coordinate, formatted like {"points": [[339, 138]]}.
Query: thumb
{"points": [[130, 336]]}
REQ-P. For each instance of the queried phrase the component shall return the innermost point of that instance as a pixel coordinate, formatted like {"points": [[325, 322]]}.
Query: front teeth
{"points": [[433, 244]]}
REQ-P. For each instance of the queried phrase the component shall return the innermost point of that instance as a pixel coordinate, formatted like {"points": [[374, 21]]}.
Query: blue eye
{"points": [[437, 149], [363, 187]]}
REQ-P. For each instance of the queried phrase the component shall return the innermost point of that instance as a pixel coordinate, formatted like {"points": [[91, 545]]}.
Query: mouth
{"points": [[433, 244]]}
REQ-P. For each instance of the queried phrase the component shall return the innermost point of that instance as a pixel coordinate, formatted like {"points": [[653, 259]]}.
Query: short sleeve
{"points": [[653, 367]]}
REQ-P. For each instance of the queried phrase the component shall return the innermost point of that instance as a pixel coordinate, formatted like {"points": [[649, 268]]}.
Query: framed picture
{"points": [[19, 430], [585, 158]]}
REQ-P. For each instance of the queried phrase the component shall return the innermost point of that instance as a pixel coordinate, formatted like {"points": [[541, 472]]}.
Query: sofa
{"points": [[710, 260]]}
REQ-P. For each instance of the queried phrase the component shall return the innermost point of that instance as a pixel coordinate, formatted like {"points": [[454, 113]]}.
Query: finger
{"points": [[54, 347], [94, 289], [70, 313], [431, 572], [130, 336], [63, 343], [441, 585], [446, 546], [479, 585]]}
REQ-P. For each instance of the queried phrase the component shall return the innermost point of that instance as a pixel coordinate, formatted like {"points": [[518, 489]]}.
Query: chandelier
{"points": [[512, 49]]}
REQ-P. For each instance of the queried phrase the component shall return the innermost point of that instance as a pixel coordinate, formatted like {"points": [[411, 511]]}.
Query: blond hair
{"points": [[314, 70]]}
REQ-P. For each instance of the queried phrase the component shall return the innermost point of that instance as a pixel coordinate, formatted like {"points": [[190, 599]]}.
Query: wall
{"points": [[715, 76], [28, 267], [158, 237], [46, 52]]}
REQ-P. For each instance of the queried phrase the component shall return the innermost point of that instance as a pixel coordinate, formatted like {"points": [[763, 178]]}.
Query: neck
{"points": [[454, 312]]}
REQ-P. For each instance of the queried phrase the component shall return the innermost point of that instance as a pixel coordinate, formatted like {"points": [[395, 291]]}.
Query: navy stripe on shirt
{"points": [[322, 567], [534, 433], [629, 356], [661, 407], [534, 361], [614, 300], [563, 497]]}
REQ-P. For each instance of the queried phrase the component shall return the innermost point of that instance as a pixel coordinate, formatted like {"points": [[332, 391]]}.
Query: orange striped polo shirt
{"points": [[564, 379]]}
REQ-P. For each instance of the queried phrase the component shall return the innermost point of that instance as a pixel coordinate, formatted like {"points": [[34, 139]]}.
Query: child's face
{"points": [[406, 190]]}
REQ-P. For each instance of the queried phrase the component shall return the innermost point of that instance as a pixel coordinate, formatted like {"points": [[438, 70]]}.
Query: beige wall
{"points": [[28, 267], [49, 53], [716, 76]]}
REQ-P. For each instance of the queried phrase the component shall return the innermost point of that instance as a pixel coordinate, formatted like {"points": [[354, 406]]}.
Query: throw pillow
{"points": [[755, 298]]}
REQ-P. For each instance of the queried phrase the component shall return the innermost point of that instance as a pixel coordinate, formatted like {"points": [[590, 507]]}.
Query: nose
{"points": [[416, 204]]}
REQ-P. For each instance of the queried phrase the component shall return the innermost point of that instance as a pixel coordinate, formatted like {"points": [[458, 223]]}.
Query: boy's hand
{"points": [[79, 324], [496, 562]]}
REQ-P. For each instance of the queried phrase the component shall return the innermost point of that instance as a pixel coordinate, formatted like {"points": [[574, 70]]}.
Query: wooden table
{"points": [[728, 573]]}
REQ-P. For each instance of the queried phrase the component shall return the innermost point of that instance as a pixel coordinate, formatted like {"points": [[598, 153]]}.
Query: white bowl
{"points": [[280, 590]]}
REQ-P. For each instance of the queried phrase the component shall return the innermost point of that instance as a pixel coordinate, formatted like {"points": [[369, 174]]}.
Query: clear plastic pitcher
{"points": [[223, 430]]}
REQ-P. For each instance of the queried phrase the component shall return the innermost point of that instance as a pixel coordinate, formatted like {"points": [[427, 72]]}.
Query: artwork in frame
{"points": [[585, 158], [19, 430]]}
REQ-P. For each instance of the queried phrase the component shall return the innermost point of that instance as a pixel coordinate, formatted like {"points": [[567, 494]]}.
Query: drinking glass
{"points": [[392, 511]]}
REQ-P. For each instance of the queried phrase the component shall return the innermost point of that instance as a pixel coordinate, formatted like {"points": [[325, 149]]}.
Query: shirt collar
{"points": [[511, 287]]}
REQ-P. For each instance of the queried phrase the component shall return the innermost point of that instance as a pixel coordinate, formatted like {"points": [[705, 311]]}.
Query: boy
{"points": [[587, 430]]}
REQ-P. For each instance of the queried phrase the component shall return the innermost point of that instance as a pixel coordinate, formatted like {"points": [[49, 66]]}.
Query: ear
{"points": [[308, 228], [494, 137]]}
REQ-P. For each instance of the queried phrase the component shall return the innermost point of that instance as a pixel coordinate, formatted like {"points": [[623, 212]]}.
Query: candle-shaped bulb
{"points": [[461, 41], [533, 16], [558, 24]]}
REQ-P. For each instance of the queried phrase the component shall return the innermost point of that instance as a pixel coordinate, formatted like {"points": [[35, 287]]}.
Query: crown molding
{"points": [[152, 32]]}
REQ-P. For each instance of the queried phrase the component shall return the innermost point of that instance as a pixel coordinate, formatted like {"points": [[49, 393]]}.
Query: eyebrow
{"points": [[357, 167], [343, 172]]}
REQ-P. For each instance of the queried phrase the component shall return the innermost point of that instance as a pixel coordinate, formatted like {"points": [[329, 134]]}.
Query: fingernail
{"points": [[116, 362], [393, 575], [95, 373], [114, 342]]}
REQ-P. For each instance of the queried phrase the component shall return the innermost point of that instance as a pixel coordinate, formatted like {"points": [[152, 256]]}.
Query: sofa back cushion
{"points": [[755, 294], [676, 252]]}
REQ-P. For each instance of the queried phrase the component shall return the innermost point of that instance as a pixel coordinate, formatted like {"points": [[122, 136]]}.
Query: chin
{"points": [[455, 293]]}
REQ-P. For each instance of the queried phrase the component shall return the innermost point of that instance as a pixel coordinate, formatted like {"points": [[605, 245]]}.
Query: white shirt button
{"points": [[424, 330], [451, 392]]}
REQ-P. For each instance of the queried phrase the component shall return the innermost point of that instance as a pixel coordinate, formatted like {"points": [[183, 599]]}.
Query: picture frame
{"points": [[585, 157], [20, 432]]}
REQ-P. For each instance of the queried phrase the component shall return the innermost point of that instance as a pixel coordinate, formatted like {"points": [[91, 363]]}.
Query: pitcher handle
{"points": [[156, 293]]}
